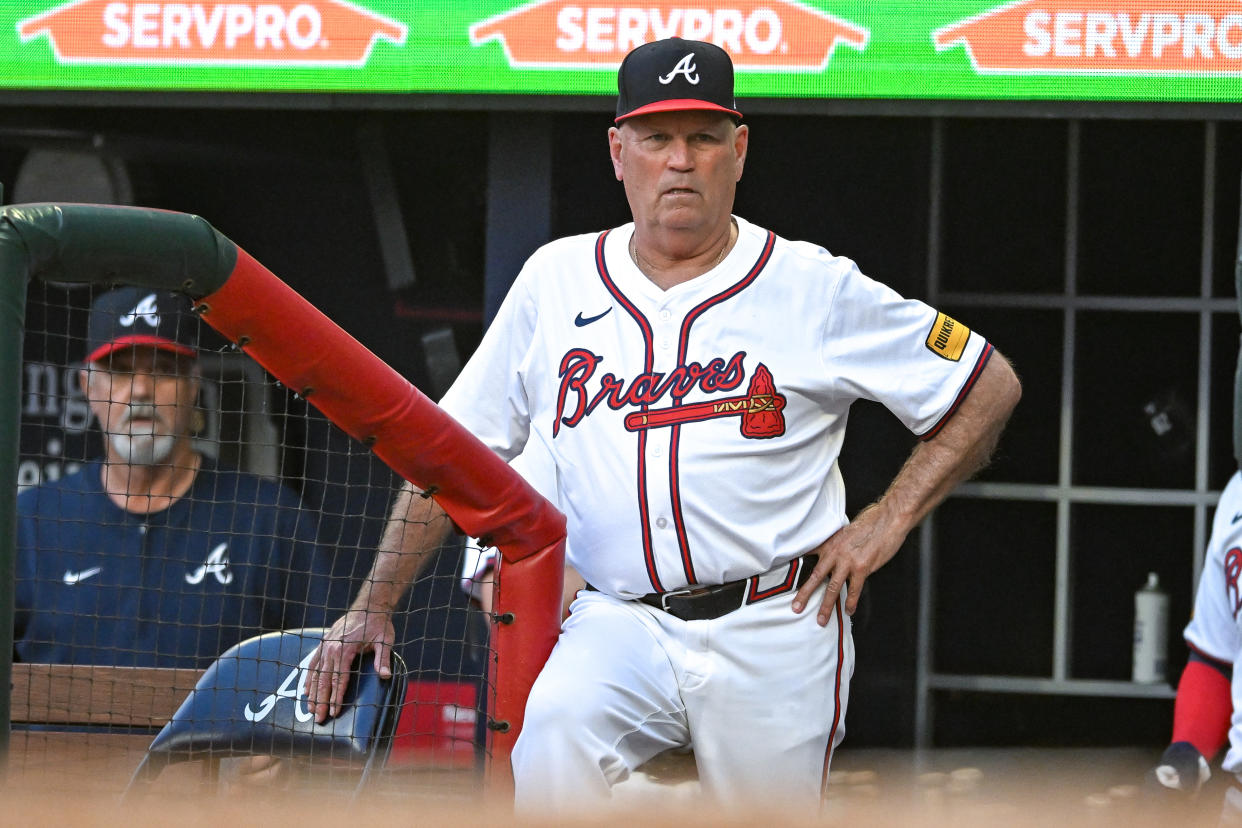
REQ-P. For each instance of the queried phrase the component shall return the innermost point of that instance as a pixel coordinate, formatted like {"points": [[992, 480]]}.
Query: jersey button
{"points": [[662, 523], [666, 314]]}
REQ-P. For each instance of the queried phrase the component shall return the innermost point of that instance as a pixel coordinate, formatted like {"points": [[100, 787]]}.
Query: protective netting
{"points": [[176, 501]]}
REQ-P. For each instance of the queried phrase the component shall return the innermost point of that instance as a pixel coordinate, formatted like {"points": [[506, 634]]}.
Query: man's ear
{"points": [[741, 143], [84, 377], [614, 150]]}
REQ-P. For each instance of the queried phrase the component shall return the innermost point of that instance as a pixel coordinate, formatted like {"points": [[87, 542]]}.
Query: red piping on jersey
{"points": [[1219, 664], [836, 702], [683, 342], [753, 594], [644, 511], [961, 395]]}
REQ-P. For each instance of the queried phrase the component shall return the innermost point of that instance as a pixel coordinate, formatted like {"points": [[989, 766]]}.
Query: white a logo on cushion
{"points": [[217, 564], [146, 310], [686, 66], [293, 687]]}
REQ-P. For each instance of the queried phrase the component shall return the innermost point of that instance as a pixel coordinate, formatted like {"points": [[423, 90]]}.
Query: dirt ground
{"points": [[68, 779]]}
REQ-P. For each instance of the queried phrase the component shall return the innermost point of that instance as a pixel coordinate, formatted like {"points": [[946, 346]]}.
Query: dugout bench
{"points": [[87, 728]]}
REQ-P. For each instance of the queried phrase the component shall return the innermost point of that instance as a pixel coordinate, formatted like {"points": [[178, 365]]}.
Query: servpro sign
{"points": [[325, 32], [1132, 50], [759, 35], [1108, 36]]}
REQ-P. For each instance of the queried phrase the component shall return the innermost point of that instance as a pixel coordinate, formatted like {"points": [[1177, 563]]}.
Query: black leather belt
{"points": [[705, 603]]}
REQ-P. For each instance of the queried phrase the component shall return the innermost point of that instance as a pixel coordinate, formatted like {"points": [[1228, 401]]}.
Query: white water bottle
{"points": [[1151, 627]]}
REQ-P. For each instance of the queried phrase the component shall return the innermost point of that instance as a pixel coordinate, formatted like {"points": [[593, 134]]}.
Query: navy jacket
{"points": [[99, 585]]}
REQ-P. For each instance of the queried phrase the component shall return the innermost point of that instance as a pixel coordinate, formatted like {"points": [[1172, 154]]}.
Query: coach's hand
{"points": [[852, 553], [327, 676]]}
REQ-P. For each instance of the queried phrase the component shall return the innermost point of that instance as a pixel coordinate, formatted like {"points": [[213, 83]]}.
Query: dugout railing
{"points": [[300, 347]]}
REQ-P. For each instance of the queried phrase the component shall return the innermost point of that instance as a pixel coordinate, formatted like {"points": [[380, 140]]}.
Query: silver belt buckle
{"points": [[673, 593]]}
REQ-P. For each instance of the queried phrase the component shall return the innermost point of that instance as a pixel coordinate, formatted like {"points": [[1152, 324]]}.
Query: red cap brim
{"points": [[678, 105], [129, 341]]}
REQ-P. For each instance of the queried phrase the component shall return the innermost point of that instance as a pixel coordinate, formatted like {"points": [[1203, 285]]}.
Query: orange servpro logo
{"points": [[1102, 36], [296, 32], [758, 34]]}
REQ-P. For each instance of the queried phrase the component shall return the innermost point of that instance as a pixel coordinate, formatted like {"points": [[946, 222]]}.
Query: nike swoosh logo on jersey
{"points": [[72, 577], [1236, 518], [581, 322]]}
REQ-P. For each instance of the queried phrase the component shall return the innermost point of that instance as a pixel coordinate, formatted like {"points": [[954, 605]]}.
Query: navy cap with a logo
{"points": [[131, 316], [673, 75]]}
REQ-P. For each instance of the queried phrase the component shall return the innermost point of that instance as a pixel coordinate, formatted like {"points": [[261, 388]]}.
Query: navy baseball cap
{"points": [[131, 316], [673, 75]]}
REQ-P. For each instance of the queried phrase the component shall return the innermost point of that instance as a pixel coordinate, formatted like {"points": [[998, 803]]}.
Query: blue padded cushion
{"points": [[250, 702]]}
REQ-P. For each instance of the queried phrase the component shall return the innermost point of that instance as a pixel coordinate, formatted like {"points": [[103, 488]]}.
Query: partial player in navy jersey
{"points": [[155, 555]]}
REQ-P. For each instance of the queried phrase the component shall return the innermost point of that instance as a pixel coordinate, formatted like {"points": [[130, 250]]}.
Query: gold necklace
{"points": [[639, 262]]}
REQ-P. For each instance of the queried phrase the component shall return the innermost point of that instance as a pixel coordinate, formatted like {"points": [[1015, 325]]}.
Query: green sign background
{"points": [[899, 62]]}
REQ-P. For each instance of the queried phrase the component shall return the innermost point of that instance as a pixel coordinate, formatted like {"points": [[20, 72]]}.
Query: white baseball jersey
{"points": [[695, 431], [476, 564], [1215, 630]]}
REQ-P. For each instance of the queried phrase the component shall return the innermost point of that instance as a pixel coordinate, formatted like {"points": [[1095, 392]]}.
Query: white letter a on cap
{"points": [[147, 310], [685, 66]]}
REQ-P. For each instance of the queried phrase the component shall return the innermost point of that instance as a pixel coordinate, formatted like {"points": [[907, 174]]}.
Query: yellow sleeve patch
{"points": [[948, 337]]}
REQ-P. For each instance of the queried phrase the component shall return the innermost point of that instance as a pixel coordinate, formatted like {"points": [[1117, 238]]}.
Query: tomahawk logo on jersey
{"points": [[759, 408]]}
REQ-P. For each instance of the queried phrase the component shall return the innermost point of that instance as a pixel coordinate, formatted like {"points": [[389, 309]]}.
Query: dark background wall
{"points": [[289, 187]]}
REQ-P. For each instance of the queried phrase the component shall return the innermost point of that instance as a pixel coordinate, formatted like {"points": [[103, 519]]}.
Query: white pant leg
{"points": [[605, 703], [772, 706]]}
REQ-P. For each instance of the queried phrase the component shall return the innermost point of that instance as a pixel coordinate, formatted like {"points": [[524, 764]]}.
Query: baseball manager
{"points": [[690, 374]]}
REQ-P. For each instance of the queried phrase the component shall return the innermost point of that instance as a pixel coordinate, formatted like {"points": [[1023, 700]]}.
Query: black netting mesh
{"points": [[173, 506]]}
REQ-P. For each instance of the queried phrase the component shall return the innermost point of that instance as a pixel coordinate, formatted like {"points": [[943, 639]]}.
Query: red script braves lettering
{"points": [[574, 400]]}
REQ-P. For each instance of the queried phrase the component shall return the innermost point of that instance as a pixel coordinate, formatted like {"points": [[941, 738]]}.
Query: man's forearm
{"points": [[416, 528], [962, 447]]}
